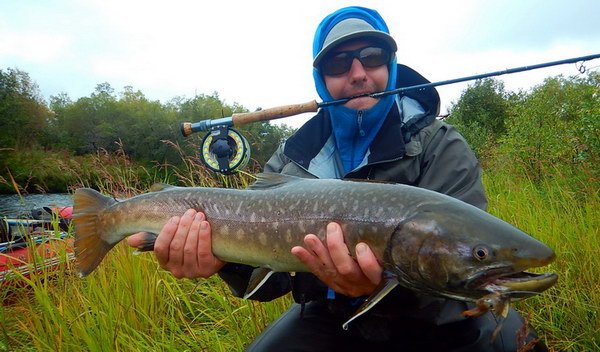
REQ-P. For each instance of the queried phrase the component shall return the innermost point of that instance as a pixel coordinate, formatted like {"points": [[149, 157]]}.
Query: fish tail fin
{"points": [[90, 246]]}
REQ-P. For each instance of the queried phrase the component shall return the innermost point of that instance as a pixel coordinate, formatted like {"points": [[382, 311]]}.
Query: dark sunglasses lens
{"points": [[374, 57], [341, 62], [337, 64]]}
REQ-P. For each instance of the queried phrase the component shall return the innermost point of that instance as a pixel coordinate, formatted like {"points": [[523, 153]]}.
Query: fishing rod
{"points": [[225, 150]]}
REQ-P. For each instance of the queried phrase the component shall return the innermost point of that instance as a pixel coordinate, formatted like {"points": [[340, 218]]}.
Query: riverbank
{"points": [[35, 171]]}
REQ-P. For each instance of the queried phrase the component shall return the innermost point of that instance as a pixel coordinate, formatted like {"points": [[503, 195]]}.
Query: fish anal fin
{"points": [[257, 279], [388, 283], [147, 243]]}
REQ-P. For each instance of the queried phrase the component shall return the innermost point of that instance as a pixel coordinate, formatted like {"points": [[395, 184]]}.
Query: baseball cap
{"points": [[352, 28]]}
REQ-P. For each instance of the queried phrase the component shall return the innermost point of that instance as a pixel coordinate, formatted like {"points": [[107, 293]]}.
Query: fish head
{"points": [[462, 252]]}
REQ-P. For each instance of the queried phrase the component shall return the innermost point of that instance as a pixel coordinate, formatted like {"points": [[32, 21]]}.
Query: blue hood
{"points": [[353, 134]]}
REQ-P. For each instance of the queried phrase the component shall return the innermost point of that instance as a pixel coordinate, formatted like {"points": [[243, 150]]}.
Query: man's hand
{"points": [[333, 264], [183, 246]]}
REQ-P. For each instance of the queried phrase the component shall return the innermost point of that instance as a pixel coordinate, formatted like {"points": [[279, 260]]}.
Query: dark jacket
{"points": [[413, 148]]}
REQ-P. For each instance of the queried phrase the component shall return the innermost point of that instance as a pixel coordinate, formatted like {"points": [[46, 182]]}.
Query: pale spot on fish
{"points": [[332, 208], [302, 227], [262, 238], [315, 207], [288, 236], [224, 230], [240, 234]]}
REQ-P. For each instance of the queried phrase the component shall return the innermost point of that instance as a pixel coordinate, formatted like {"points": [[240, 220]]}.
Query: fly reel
{"points": [[224, 150]]}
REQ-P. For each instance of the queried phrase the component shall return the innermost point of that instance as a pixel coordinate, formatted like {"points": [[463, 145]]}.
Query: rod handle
{"points": [[274, 113]]}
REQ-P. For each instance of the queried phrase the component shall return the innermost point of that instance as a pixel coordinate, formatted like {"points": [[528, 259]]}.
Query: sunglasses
{"points": [[341, 61]]}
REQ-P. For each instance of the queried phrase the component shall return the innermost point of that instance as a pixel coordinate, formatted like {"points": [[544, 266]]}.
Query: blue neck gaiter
{"points": [[354, 130]]}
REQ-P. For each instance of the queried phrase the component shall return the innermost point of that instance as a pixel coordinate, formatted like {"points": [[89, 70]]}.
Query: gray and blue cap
{"points": [[352, 28]]}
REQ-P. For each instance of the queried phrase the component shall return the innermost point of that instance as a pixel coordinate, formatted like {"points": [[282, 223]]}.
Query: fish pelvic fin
{"points": [[90, 247], [257, 279], [388, 283]]}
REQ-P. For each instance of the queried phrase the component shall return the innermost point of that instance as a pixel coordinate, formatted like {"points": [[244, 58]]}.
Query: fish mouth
{"points": [[510, 283]]}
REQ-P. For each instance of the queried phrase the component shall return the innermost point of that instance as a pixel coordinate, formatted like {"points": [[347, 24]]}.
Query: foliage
{"points": [[567, 316], [126, 123], [23, 113], [553, 129], [557, 124], [480, 114]]}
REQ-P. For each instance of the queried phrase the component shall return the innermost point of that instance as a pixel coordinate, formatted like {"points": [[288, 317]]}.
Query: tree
{"points": [[556, 126], [480, 113], [23, 113]]}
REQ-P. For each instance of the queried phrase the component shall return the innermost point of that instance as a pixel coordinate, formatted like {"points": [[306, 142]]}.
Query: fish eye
{"points": [[480, 252]]}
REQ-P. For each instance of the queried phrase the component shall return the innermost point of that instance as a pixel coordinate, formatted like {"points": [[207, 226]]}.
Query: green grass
{"points": [[567, 315], [129, 304]]}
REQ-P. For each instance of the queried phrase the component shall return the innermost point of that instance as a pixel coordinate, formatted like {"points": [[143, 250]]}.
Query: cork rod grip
{"points": [[274, 113]]}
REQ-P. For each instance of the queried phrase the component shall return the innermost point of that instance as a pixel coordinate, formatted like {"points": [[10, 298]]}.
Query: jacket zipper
{"points": [[359, 120]]}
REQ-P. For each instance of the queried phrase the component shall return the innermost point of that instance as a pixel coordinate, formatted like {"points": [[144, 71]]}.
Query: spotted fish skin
{"points": [[256, 226], [429, 242]]}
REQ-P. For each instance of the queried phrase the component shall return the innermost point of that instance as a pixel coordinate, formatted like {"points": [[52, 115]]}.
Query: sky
{"points": [[259, 53]]}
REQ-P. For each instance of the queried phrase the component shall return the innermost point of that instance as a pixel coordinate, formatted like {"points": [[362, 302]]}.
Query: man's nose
{"points": [[357, 71]]}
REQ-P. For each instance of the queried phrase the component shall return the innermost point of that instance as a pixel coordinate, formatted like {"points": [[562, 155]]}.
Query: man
{"points": [[395, 139]]}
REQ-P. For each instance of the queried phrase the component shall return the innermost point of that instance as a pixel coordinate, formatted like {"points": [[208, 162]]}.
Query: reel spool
{"points": [[224, 150]]}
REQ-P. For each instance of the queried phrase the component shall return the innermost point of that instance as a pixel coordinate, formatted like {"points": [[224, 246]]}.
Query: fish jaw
{"points": [[520, 284]]}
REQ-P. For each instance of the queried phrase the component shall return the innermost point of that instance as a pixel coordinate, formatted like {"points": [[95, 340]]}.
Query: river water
{"points": [[12, 205]]}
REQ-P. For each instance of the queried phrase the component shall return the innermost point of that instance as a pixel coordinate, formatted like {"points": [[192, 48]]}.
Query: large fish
{"points": [[424, 240]]}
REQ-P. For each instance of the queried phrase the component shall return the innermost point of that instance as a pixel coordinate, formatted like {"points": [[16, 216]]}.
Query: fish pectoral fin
{"points": [[147, 243], [386, 286], [257, 279]]}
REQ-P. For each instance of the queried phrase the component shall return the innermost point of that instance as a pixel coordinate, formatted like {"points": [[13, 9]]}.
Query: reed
{"points": [[567, 315]]}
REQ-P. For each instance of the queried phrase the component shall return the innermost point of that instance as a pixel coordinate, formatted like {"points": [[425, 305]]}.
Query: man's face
{"points": [[358, 80]]}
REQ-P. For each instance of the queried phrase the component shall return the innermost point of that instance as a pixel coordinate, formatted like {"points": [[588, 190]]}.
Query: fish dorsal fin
{"points": [[362, 180], [157, 187], [270, 180], [386, 286]]}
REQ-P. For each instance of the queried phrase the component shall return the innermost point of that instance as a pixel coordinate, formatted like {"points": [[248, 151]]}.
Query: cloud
{"points": [[33, 46]]}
